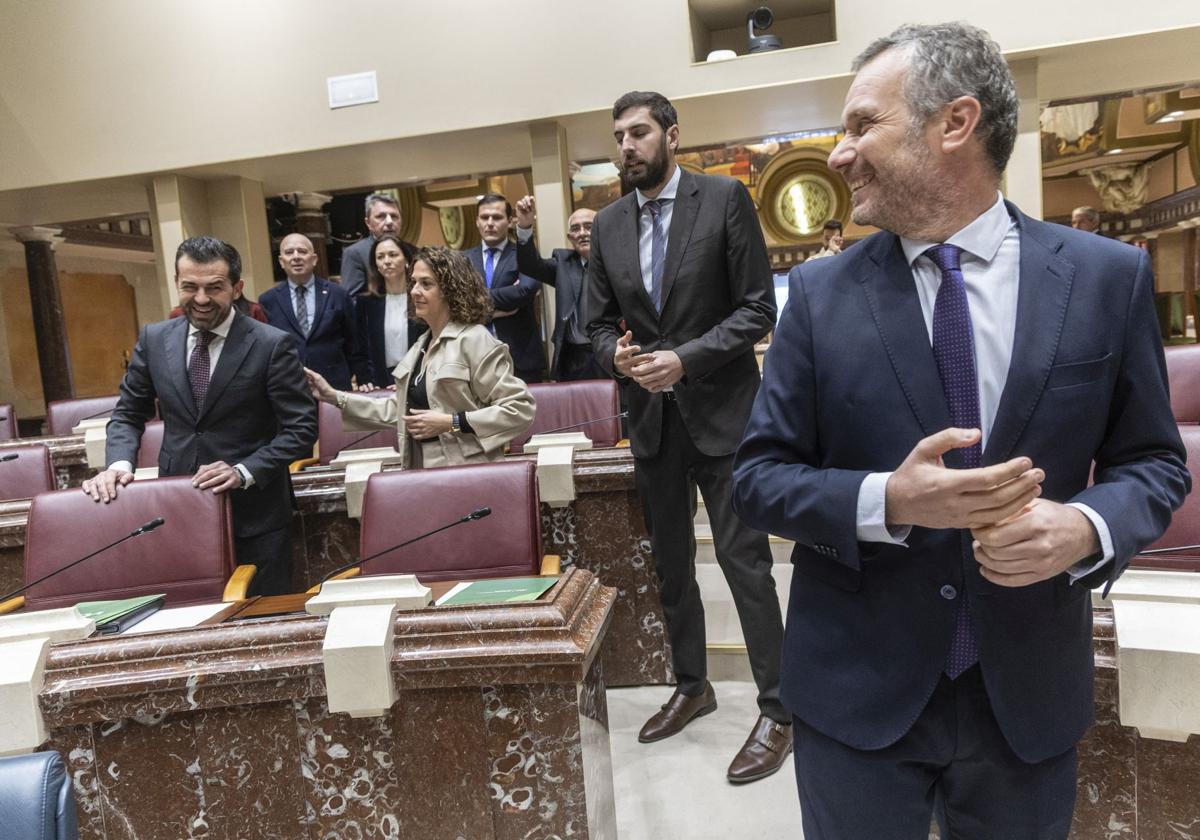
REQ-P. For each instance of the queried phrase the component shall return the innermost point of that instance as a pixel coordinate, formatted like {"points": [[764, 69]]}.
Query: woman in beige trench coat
{"points": [[457, 399]]}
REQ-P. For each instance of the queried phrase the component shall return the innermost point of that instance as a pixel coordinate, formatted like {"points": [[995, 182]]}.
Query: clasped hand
{"points": [[653, 371], [423, 424], [1019, 538]]}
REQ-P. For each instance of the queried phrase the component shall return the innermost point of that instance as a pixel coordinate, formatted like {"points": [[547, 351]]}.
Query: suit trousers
{"points": [[271, 552], [667, 485], [953, 763], [578, 361]]}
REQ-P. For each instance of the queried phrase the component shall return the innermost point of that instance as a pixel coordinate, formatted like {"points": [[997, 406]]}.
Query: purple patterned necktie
{"points": [[658, 248], [954, 351], [198, 368]]}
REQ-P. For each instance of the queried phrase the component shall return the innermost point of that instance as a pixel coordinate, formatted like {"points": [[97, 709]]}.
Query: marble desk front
{"points": [[500, 730]]}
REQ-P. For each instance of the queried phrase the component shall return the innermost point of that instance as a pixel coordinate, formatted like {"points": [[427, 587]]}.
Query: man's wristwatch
{"points": [[456, 423]]}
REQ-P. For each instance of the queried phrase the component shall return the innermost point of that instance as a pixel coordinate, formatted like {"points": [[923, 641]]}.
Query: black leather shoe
{"points": [[764, 752], [677, 713]]}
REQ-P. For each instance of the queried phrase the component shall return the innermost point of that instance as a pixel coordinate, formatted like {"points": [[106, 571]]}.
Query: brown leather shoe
{"points": [[677, 713], [764, 752]]}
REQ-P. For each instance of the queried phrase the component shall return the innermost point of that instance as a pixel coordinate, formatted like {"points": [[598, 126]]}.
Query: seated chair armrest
{"points": [[623, 443], [349, 573], [551, 565], [12, 605], [296, 466], [239, 582]]}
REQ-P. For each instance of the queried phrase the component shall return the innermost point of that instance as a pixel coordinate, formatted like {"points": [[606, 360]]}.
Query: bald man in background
{"points": [[318, 314]]}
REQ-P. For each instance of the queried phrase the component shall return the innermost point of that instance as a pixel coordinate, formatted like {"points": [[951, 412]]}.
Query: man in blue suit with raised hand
{"points": [[932, 405]]}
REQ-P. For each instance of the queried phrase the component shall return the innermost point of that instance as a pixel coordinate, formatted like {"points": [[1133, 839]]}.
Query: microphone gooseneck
{"points": [[149, 526], [620, 416], [479, 513], [11, 456]]}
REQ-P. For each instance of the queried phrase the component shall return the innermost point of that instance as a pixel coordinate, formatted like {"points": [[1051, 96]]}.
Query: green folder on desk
{"points": [[500, 591], [118, 616]]}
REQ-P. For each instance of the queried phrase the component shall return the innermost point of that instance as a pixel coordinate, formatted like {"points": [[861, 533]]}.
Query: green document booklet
{"points": [[500, 591], [116, 616]]}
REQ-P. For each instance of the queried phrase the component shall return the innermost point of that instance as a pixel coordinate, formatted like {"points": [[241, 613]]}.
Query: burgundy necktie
{"points": [[198, 368], [954, 351]]}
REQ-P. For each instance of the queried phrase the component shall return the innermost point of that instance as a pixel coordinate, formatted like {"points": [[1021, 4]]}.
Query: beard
{"points": [[205, 321], [654, 172], [906, 195]]}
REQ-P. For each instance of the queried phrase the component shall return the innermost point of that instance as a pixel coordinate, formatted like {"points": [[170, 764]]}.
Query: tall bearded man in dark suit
{"points": [[682, 261], [934, 401], [235, 407]]}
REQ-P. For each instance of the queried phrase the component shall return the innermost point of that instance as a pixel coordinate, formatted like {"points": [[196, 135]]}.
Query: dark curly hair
{"points": [[460, 284], [376, 286]]}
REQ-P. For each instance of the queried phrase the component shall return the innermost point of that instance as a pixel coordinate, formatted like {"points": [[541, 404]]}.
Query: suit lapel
{"points": [[289, 309], [632, 257], [1045, 289], [233, 353], [683, 219], [892, 295], [321, 296], [175, 340]]}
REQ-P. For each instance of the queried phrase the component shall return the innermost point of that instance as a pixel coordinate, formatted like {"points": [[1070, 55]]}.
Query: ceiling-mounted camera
{"points": [[761, 18]]}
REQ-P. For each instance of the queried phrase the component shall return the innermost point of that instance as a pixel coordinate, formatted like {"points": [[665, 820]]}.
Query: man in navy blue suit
{"points": [[932, 404], [513, 293], [316, 313]]}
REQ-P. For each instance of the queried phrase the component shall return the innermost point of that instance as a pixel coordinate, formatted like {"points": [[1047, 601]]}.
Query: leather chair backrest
{"points": [[29, 474], [189, 558], [1185, 524], [8, 422], [565, 403], [36, 799], [400, 504], [64, 415], [1183, 376], [152, 438], [332, 438]]}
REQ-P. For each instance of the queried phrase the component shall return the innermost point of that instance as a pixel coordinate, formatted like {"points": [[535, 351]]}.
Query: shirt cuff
{"points": [[1080, 570], [524, 234], [247, 478], [123, 466], [871, 518]]}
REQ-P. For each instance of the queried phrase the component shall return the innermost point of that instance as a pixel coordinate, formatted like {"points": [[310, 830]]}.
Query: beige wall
{"points": [[133, 78], [1168, 263]]}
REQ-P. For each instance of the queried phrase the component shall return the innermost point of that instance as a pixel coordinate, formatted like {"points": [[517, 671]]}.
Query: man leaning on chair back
{"points": [[235, 406]]}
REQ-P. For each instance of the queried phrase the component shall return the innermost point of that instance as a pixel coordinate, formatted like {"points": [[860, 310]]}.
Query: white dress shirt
{"points": [[310, 300], [215, 345], [646, 226], [395, 329], [991, 268]]}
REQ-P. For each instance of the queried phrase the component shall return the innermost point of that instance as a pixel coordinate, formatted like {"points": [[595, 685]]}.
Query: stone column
{"points": [[1023, 179], [552, 192], [238, 209], [311, 221], [178, 210], [50, 329]]}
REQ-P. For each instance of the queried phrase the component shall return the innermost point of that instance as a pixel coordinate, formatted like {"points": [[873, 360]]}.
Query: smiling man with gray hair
{"points": [[933, 402]]}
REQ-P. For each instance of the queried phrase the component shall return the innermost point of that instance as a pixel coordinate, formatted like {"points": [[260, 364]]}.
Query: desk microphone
{"points": [[620, 416], [12, 456], [149, 526], [1172, 550], [470, 517], [361, 438]]}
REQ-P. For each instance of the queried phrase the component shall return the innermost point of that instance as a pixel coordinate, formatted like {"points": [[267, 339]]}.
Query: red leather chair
{"points": [[1183, 376], [332, 438], [1185, 524], [400, 504], [64, 415], [30, 473], [151, 444], [190, 558], [565, 403], [8, 423]]}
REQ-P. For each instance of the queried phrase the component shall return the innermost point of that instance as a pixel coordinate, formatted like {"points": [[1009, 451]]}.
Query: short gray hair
{"points": [[1088, 212], [949, 60], [379, 198]]}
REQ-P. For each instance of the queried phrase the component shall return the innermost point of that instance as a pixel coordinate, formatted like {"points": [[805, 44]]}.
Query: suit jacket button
{"points": [[949, 592]]}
